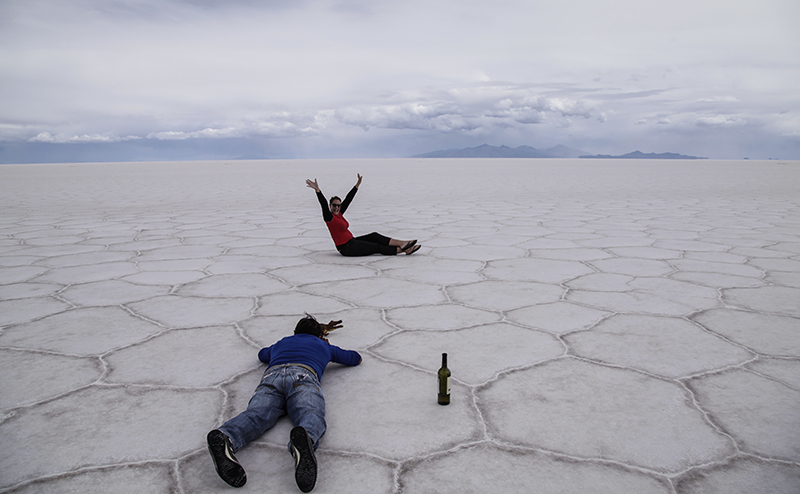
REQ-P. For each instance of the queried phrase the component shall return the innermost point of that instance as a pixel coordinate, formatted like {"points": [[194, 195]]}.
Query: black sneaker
{"points": [[305, 464], [226, 464]]}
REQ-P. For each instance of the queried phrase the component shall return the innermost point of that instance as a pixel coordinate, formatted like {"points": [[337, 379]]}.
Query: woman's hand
{"points": [[314, 185], [359, 180]]}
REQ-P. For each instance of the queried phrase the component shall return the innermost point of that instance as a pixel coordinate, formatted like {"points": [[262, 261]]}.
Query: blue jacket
{"points": [[308, 350]]}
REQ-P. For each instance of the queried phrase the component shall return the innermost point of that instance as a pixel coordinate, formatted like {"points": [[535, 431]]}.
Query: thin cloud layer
{"points": [[94, 138], [327, 78]]}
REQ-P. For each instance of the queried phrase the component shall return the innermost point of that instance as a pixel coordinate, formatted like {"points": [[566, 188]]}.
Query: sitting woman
{"points": [[345, 242]]}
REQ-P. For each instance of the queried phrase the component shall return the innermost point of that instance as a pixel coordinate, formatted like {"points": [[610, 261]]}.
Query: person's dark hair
{"points": [[308, 325], [334, 197]]}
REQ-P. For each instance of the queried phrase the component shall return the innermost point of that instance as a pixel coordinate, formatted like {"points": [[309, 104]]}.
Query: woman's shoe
{"points": [[411, 243], [412, 250]]}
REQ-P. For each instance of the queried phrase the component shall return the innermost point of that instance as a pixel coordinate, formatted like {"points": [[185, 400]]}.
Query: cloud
{"points": [[721, 121], [629, 95], [467, 109], [440, 116], [321, 72], [84, 138], [172, 135]]}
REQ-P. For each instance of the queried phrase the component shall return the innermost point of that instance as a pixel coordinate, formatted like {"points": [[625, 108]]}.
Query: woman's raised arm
{"points": [[323, 203], [313, 184]]}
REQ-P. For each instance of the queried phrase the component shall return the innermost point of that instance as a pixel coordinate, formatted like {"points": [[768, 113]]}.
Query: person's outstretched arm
{"points": [[345, 357], [350, 195], [326, 212]]}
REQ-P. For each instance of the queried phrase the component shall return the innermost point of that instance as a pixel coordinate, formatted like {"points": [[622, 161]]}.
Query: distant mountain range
{"points": [[487, 151], [638, 155]]}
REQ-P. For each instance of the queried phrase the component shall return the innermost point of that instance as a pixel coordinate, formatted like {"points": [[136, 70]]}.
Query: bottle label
{"points": [[446, 384]]}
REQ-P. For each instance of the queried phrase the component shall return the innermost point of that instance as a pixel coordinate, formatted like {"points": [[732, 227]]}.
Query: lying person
{"points": [[289, 385]]}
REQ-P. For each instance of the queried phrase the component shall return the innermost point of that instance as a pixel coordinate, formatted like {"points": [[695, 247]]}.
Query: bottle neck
{"points": [[444, 360]]}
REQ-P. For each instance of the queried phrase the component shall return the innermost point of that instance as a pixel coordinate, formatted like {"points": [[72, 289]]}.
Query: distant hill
{"points": [[638, 155], [487, 151]]}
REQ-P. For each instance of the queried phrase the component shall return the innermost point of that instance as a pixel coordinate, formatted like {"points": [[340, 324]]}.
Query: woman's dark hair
{"points": [[308, 325], [334, 197]]}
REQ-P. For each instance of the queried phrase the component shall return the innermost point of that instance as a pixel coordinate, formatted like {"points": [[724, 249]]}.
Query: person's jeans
{"points": [[283, 389]]}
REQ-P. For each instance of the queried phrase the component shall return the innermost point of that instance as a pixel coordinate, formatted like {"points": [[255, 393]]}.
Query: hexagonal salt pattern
{"points": [[479, 353], [760, 413], [564, 407], [662, 346], [624, 326], [524, 470], [100, 426], [742, 476], [125, 479]]}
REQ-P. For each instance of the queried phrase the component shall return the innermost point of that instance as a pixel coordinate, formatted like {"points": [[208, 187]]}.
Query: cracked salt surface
{"points": [[612, 326]]}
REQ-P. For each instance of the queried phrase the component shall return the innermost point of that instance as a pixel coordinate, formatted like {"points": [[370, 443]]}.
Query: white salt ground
{"points": [[612, 326]]}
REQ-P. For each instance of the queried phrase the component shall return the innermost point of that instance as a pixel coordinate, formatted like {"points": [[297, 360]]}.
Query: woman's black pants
{"points": [[366, 245]]}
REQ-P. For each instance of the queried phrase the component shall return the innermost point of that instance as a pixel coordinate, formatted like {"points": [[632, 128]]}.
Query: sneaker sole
{"points": [[227, 467], [305, 471]]}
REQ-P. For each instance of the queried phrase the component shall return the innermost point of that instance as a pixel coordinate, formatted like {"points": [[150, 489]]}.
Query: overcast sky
{"points": [[196, 79]]}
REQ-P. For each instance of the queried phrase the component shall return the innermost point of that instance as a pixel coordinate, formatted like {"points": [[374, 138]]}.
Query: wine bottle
{"points": [[444, 382]]}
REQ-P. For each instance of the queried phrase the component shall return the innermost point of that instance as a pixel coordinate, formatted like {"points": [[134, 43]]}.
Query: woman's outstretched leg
{"points": [[402, 245], [366, 246], [375, 243]]}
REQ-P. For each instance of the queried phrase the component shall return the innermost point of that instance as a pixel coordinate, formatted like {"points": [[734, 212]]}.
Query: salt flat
{"points": [[612, 326]]}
